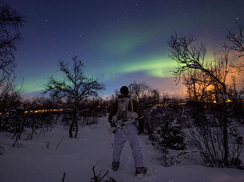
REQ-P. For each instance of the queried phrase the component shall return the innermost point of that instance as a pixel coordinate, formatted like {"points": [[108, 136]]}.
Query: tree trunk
{"points": [[225, 128], [74, 124], [225, 135], [71, 128]]}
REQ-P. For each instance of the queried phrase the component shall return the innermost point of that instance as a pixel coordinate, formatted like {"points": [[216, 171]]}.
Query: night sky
{"points": [[119, 41]]}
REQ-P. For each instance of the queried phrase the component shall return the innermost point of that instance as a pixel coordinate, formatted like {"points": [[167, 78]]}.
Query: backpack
{"points": [[123, 113]]}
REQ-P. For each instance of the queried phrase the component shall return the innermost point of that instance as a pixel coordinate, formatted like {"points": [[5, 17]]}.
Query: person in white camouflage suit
{"points": [[126, 110]]}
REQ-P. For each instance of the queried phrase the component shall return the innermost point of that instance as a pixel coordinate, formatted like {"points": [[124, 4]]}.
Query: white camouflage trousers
{"points": [[135, 144]]}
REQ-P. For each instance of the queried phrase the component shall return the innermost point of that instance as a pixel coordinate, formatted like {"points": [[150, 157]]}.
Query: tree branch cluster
{"points": [[10, 24]]}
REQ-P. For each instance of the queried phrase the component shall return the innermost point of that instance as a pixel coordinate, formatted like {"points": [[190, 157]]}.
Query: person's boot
{"points": [[115, 166], [141, 170]]}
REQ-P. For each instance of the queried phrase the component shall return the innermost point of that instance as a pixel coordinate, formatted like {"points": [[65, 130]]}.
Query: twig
{"points": [[63, 177], [59, 143], [97, 178], [47, 144], [16, 142], [104, 175], [93, 169]]}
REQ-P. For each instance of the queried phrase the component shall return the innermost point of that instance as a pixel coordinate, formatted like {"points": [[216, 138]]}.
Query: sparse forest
{"points": [[209, 118], [206, 84]]}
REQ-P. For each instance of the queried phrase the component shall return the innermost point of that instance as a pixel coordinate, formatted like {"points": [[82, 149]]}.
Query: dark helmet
{"points": [[124, 90]]}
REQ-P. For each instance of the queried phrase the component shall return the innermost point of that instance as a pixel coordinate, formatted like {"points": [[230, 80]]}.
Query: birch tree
{"points": [[236, 40], [236, 43], [138, 89], [189, 58], [197, 84], [74, 88], [10, 24]]}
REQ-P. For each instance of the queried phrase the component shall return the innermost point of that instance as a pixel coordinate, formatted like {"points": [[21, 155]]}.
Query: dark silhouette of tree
{"points": [[197, 84], [9, 95], [10, 24], [138, 90], [189, 57], [154, 96], [74, 88], [236, 43], [236, 40]]}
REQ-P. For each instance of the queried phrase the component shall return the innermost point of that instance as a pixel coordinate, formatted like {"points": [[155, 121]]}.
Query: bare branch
{"points": [[10, 23], [138, 89], [237, 40], [74, 88]]}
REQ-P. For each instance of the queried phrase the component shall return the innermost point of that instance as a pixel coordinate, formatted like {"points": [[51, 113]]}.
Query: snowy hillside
{"points": [[47, 158]]}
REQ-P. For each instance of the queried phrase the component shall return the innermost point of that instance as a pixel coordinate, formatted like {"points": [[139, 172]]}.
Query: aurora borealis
{"points": [[119, 41]]}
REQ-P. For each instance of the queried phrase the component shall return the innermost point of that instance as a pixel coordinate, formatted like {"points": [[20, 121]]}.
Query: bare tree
{"points": [[9, 96], [74, 88], [197, 84], [236, 105], [117, 92], [154, 96], [10, 24], [237, 40], [188, 58], [138, 89], [237, 44], [232, 89]]}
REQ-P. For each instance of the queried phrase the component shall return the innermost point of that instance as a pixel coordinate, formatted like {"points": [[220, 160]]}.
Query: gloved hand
{"points": [[140, 129]]}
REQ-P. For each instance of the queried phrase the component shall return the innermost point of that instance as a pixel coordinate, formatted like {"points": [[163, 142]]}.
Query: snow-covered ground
{"points": [[38, 160]]}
